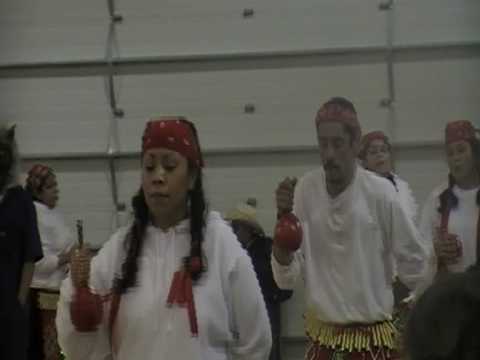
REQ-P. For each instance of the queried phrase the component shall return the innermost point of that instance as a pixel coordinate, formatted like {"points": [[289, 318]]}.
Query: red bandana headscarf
{"points": [[174, 133], [371, 136], [459, 130], [368, 138], [37, 176], [334, 112]]}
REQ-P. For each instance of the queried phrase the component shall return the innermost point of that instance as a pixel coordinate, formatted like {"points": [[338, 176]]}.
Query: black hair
{"points": [[448, 200]]}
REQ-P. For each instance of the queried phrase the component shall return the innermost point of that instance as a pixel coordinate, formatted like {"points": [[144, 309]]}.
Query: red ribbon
{"points": [[181, 293]]}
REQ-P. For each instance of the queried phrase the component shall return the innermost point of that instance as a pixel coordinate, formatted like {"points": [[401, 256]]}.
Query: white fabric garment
{"points": [[56, 238], [462, 222], [405, 194], [232, 318], [407, 201], [346, 254]]}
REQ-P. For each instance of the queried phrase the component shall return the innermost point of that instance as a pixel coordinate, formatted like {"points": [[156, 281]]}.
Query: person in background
{"points": [[57, 246], [251, 235], [444, 323], [450, 220], [376, 155], [176, 284], [20, 248]]}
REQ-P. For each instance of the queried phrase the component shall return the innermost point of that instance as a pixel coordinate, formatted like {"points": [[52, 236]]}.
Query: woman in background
{"points": [[376, 155], [450, 218], [57, 245], [251, 235]]}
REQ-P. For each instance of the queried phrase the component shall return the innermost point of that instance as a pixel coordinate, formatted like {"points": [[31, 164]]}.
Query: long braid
{"points": [[198, 213], [198, 209], [133, 244], [448, 200]]}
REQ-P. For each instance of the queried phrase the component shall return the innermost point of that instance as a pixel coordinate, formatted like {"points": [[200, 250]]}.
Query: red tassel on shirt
{"points": [[181, 293]]}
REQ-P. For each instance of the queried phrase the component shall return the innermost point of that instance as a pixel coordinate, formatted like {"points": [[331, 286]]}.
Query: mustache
{"points": [[330, 165]]}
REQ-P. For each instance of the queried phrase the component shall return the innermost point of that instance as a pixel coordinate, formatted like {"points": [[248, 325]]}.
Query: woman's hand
{"points": [[448, 247]]}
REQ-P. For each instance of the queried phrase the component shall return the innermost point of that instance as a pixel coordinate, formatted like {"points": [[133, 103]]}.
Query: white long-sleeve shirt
{"points": [[405, 195], [346, 253], [56, 238], [462, 222], [232, 318]]}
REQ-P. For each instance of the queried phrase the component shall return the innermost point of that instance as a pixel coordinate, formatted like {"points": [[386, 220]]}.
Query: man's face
{"points": [[338, 152]]}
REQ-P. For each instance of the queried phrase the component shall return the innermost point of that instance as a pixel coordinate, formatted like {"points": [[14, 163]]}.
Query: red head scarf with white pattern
{"points": [[37, 176], [459, 130], [339, 110], [174, 133], [368, 138]]}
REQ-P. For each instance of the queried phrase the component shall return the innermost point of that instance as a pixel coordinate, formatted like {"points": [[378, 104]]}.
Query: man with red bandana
{"points": [[354, 231]]}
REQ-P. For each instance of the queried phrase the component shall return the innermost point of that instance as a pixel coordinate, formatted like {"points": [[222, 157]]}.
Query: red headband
{"points": [[174, 133], [37, 176], [371, 136], [336, 113], [459, 130]]}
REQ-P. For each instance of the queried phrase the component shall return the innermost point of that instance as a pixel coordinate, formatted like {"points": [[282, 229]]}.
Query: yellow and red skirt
{"points": [[377, 341]]}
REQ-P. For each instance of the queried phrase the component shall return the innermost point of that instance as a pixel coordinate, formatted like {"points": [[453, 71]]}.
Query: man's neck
{"points": [[334, 189]]}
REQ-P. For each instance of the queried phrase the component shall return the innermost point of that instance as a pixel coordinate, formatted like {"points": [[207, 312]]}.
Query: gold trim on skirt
{"points": [[355, 337], [47, 300]]}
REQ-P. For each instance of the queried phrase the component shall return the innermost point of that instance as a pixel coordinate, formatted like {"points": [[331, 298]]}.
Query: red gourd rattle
{"points": [[86, 309], [288, 232]]}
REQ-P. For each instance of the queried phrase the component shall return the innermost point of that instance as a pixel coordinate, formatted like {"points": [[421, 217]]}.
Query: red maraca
{"points": [[86, 309], [288, 232]]}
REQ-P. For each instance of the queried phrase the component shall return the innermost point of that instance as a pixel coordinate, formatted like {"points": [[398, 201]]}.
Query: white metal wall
{"points": [[213, 60]]}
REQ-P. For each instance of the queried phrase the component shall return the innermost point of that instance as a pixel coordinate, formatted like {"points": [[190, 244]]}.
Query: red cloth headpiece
{"points": [[174, 133], [334, 112], [37, 176], [371, 136], [459, 130]]}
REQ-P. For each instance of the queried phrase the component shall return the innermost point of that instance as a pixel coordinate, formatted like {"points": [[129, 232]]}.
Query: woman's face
{"points": [[166, 180], [49, 192], [460, 159], [378, 157]]}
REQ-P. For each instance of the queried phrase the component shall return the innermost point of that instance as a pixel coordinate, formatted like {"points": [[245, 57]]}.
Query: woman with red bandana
{"points": [[176, 284], [450, 218], [57, 245]]}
